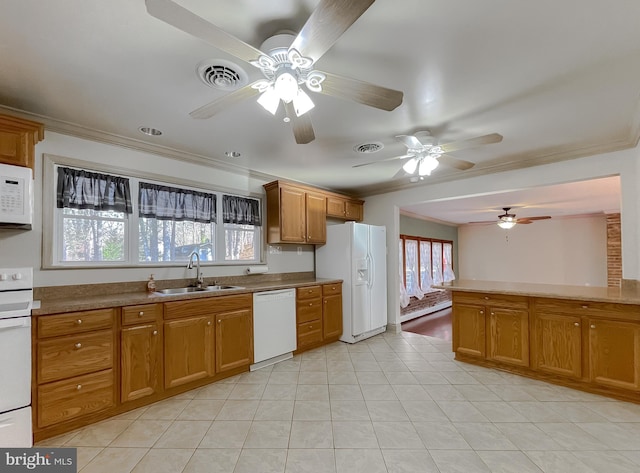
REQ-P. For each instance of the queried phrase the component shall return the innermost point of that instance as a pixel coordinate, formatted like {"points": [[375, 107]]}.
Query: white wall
{"points": [[558, 251], [384, 209], [24, 248]]}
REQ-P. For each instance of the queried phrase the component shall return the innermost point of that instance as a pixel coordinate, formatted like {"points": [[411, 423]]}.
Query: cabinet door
{"points": [[292, 215], [234, 340], [469, 330], [557, 344], [335, 207], [508, 336], [141, 361], [332, 316], [354, 211], [316, 218], [614, 353], [188, 350]]}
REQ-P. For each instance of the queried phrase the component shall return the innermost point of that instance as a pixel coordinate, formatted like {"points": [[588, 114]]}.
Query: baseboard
{"points": [[428, 310]]}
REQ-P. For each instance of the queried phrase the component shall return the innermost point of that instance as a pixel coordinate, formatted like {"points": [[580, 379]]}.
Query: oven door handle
{"points": [[19, 322]]}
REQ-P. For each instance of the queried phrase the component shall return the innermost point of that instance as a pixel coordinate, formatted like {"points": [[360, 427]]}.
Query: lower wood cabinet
{"points": [[234, 339], [319, 315], [140, 361], [614, 353], [557, 344], [189, 350], [594, 346]]}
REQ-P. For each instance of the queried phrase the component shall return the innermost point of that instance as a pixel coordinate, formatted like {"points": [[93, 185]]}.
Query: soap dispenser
{"points": [[151, 285]]}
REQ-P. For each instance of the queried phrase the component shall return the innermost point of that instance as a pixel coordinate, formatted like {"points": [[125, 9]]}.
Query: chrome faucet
{"points": [[199, 279]]}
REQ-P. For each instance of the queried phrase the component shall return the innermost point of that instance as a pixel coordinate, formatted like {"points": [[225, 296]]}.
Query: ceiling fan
{"points": [[507, 220], [424, 154], [286, 68]]}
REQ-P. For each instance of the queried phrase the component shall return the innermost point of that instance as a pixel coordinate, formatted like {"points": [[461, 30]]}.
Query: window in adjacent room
{"points": [[425, 262]]}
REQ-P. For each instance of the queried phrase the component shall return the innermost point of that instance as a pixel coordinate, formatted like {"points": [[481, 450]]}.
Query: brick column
{"points": [[614, 251]]}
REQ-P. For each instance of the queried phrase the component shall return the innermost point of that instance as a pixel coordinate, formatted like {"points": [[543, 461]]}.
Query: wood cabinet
{"points": [[206, 336], [189, 350], [140, 352], [492, 327], [614, 353], [557, 344], [331, 311], [18, 138], [74, 365], [344, 208], [234, 339], [589, 345], [318, 315], [295, 214], [309, 316]]}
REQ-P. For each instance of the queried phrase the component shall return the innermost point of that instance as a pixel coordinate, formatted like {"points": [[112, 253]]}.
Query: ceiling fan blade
{"points": [[409, 141], [532, 219], [327, 23], [471, 142], [302, 128], [362, 92], [218, 105], [189, 22], [401, 173], [383, 160], [523, 221], [455, 162]]}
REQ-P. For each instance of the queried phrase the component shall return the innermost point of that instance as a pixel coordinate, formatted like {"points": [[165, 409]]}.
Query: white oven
{"points": [[16, 300]]}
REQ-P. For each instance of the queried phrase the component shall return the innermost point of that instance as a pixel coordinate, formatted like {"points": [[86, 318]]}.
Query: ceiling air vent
{"points": [[221, 74], [367, 148]]}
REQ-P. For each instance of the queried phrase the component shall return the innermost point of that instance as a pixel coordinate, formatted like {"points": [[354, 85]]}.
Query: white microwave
{"points": [[16, 197]]}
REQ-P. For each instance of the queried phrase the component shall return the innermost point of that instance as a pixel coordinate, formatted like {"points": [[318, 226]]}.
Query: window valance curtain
{"points": [[241, 210], [79, 189], [171, 203]]}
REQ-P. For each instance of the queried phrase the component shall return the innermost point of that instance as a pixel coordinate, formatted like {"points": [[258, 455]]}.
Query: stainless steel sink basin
{"points": [[187, 290]]}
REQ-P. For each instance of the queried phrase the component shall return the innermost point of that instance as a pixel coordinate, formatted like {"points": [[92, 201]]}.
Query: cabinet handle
{"points": [[78, 322], [310, 326], [155, 332], [325, 302], [585, 306], [486, 298], [310, 304], [593, 326], [141, 313], [219, 321], [78, 345], [209, 322], [333, 288], [576, 324], [493, 313], [79, 387], [482, 312]]}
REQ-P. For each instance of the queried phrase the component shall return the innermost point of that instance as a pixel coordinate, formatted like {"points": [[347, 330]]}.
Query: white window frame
{"points": [[52, 228]]}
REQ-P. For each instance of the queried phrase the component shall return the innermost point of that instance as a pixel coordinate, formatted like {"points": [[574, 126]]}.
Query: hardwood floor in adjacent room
{"points": [[437, 324]]}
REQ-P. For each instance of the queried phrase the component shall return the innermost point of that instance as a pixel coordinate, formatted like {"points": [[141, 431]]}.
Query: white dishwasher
{"points": [[274, 326]]}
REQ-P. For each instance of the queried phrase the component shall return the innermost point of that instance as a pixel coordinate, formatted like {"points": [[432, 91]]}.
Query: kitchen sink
{"points": [[190, 289]]}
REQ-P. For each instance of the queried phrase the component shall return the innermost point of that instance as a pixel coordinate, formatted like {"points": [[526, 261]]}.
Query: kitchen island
{"points": [[577, 336]]}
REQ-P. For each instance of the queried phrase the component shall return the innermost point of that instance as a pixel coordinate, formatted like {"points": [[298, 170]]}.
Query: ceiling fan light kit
{"points": [[286, 63]]}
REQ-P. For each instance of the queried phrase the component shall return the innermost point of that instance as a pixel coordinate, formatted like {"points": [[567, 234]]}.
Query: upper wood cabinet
{"points": [[343, 208], [18, 138], [295, 214]]}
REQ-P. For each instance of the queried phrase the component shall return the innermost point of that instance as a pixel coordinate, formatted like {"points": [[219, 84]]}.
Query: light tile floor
{"points": [[396, 403]]}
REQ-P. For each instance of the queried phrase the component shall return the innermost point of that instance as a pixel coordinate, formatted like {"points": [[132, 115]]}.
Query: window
{"points": [[97, 223], [425, 262]]}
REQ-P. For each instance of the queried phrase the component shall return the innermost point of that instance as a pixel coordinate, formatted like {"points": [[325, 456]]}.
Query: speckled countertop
{"points": [[75, 298], [629, 294]]}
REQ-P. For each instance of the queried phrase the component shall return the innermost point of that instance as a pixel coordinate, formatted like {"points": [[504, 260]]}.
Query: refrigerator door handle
{"points": [[371, 271]]}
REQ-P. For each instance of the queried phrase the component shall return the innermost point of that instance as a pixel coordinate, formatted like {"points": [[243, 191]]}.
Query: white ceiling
{"points": [[558, 79]]}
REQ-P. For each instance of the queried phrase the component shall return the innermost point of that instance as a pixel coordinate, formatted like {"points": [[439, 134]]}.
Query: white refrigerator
{"points": [[357, 254]]}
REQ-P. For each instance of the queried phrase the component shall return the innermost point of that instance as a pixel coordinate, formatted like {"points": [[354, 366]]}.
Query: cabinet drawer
{"points": [[308, 310], [497, 300], [75, 397], [603, 309], [329, 289], [207, 306], [309, 333], [71, 356], [140, 314], [75, 322], [309, 292]]}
